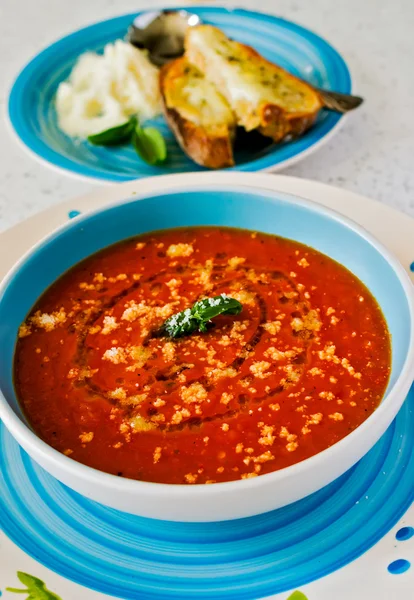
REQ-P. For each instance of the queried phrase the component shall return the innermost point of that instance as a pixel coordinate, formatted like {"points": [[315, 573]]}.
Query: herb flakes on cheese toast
{"points": [[198, 114], [262, 95]]}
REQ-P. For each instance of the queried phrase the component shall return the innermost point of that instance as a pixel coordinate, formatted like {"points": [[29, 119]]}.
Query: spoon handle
{"points": [[162, 33], [338, 102]]}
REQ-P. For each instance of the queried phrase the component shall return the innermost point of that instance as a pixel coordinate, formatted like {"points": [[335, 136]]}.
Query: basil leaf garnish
{"points": [[199, 316], [149, 144], [115, 136]]}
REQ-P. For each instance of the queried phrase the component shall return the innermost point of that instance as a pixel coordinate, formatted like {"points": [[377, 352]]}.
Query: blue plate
{"points": [[33, 116], [131, 557]]}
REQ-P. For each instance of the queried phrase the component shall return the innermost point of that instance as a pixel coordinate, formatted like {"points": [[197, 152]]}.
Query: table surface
{"points": [[372, 154]]}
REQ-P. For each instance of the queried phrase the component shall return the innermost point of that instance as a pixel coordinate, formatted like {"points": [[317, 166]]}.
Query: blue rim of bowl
{"points": [[303, 146], [14, 424]]}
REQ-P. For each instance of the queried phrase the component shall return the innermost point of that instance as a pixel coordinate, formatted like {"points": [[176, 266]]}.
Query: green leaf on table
{"points": [[115, 136], [297, 596], [36, 588], [199, 316]]}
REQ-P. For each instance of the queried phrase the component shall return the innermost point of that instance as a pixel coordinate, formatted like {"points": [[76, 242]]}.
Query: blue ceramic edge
{"points": [[268, 195], [393, 511], [45, 154]]}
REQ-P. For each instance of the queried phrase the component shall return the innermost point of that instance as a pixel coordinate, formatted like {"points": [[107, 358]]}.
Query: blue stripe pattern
{"points": [[33, 116], [132, 557], [404, 534], [399, 566]]}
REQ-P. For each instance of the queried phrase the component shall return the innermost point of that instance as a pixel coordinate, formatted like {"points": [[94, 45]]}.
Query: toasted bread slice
{"points": [[262, 95], [198, 114]]}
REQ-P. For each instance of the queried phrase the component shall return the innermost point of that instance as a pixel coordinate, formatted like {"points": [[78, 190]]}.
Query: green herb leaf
{"points": [[297, 596], [149, 144], [209, 308], [37, 589], [29, 580], [114, 136], [200, 315], [148, 141], [158, 142]]}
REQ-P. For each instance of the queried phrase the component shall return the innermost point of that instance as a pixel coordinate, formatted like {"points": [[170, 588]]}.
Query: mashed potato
{"points": [[105, 90]]}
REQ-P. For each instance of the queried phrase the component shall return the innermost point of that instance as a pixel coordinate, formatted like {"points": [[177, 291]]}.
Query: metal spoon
{"points": [[162, 34]]}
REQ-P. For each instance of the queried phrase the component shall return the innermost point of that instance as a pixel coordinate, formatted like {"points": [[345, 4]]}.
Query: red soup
{"points": [[305, 362]]}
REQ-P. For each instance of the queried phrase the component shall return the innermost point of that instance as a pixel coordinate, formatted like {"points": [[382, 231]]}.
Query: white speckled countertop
{"points": [[372, 154]]}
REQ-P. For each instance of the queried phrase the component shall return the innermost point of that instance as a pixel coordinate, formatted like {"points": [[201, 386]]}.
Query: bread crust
{"points": [[209, 146], [271, 119]]}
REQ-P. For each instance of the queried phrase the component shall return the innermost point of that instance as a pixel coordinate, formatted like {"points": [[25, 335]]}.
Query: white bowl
{"points": [[247, 207]]}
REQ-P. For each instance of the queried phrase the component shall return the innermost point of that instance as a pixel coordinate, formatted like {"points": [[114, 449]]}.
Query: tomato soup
{"points": [[305, 362]]}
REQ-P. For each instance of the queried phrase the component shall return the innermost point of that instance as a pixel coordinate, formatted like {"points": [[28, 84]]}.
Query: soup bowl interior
{"points": [[246, 208]]}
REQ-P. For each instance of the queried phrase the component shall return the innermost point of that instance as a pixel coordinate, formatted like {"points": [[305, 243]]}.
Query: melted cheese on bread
{"points": [[199, 116], [249, 82], [197, 99]]}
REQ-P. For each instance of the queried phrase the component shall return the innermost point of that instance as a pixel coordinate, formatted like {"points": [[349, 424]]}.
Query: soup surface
{"points": [[305, 362]]}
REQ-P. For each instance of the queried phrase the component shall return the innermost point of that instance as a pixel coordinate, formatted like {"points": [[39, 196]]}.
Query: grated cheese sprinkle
{"points": [[178, 250]]}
